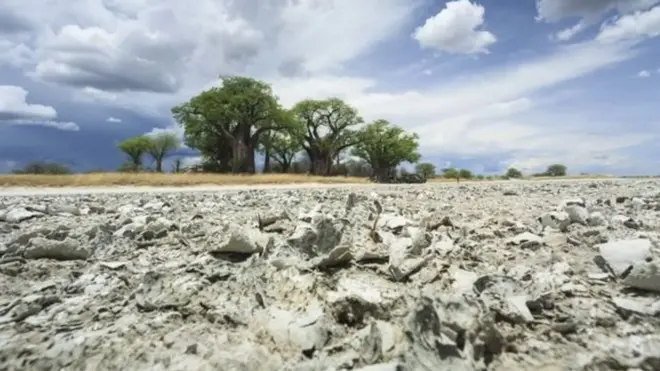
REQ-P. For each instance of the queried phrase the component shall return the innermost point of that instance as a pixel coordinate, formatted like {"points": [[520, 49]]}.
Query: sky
{"points": [[487, 84]]}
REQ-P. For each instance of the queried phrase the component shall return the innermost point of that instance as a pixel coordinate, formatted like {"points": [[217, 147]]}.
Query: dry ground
{"points": [[155, 179]]}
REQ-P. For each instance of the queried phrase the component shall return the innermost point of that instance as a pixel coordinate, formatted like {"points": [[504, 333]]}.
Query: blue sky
{"points": [[487, 84]]}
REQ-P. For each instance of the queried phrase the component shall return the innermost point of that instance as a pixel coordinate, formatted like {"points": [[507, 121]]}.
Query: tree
{"points": [[160, 145], [48, 168], [465, 174], [385, 146], [234, 115], [513, 173], [450, 173], [135, 148], [283, 149], [324, 128], [556, 170], [425, 169]]}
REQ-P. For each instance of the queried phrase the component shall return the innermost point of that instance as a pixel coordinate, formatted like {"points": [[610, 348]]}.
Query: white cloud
{"points": [[643, 73], [456, 29], [169, 46], [113, 120], [59, 125], [632, 26], [589, 12], [15, 110], [13, 105]]}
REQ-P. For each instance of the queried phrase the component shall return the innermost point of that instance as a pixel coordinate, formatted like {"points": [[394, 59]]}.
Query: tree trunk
{"points": [[322, 164], [240, 153], [286, 165], [266, 161], [159, 164], [382, 174]]}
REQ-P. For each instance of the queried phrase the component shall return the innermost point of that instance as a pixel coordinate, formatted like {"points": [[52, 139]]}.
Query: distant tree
{"points": [[43, 168], [160, 145], [325, 128], [465, 174], [450, 173], [385, 146], [425, 169], [135, 148], [513, 173], [283, 148], [556, 170]]}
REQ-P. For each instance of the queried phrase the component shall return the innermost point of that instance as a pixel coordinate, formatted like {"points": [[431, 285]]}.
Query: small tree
{"points": [[465, 174], [160, 145], [513, 173], [135, 148], [450, 173], [48, 168], [556, 170], [425, 169]]}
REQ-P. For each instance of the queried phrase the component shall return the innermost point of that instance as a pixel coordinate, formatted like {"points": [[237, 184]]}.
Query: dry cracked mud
{"points": [[493, 276]]}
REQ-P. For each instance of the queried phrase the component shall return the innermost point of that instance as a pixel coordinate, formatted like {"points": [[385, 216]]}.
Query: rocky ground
{"points": [[520, 276]]}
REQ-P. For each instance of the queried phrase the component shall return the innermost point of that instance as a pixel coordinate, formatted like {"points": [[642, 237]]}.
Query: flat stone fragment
{"points": [[644, 276], [621, 255]]}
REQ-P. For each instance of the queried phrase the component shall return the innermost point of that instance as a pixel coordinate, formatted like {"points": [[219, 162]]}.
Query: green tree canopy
{"points": [[160, 145], [513, 173], [465, 174], [384, 146], [556, 170], [135, 148], [425, 169], [324, 128], [226, 122]]}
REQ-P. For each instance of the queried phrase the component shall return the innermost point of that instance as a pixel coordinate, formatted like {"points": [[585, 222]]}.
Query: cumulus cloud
{"points": [[589, 12], [456, 29], [113, 120], [13, 105], [15, 110], [166, 46], [641, 24]]}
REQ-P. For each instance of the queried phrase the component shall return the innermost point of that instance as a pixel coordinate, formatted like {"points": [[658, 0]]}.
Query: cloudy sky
{"points": [[487, 84]]}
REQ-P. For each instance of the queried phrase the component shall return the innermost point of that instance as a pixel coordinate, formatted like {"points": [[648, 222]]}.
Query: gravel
{"points": [[479, 276]]}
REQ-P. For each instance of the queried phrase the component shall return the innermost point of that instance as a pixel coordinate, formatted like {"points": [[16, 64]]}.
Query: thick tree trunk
{"points": [[159, 165], [382, 174], [286, 165], [240, 152], [322, 164]]}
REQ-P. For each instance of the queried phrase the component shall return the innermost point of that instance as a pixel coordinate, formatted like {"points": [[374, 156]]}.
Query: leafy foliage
{"points": [[556, 170], [513, 173], [135, 148], [425, 169], [324, 128], [385, 146], [160, 145], [43, 168]]}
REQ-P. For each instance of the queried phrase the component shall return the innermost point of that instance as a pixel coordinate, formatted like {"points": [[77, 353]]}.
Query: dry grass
{"points": [[155, 179]]}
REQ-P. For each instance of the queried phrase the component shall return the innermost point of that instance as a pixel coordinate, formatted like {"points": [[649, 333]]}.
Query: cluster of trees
{"points": [[157, 146], [231, 123]]}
